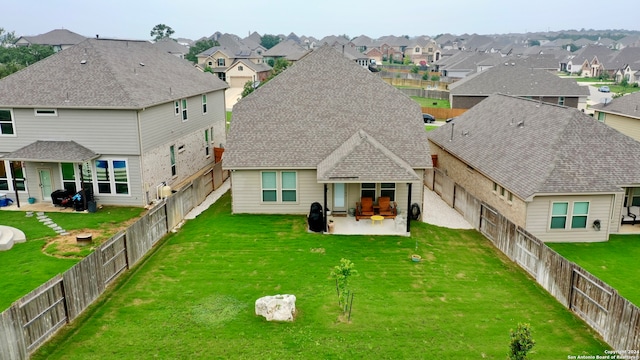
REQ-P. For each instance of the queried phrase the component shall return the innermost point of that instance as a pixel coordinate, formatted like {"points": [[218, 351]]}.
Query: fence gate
{"points": [[590, 300], [459, 199], [527, 252], [489, 222]]}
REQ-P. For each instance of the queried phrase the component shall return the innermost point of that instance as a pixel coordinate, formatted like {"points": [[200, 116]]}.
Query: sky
{"points": [[194, 19]]}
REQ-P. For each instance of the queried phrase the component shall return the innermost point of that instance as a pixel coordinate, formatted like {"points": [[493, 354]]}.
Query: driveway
{"points": [[595, 96], [231, 97]]}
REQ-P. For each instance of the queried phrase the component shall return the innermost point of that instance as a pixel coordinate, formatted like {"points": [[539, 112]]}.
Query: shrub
{"points": [[521, 342], [435, 78]]}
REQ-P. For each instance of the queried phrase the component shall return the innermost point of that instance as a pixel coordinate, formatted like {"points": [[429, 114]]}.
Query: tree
{"points": [[7, 38], [521, 342], [279, 65], [534, 43], [415, 69], [342, 273], [161, 31], [269, 41], [16, 58], [199, 47]]}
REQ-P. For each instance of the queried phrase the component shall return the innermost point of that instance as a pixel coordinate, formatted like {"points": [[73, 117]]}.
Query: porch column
{"points": [[84, 197], [324, 209], [409, 208], [15, 183]]}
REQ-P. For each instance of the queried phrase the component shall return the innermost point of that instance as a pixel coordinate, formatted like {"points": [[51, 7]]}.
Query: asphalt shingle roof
{"points": [[299, 118], [556, 150], [56, 37], [103, 73], [628, 105], [52, 151], [515, 78]]}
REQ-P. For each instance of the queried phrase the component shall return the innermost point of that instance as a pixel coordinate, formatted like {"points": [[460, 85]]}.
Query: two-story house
{"points": [[119, 117]]}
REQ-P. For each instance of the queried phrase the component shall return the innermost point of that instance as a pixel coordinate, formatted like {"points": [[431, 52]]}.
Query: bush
{"points": [[415, 69], [425, 76], [435, 78], [521, 342]]}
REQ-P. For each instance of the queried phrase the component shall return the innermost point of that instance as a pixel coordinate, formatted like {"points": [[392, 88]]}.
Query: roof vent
{"points": [[521, 124], [141, 64], [83, 61]]}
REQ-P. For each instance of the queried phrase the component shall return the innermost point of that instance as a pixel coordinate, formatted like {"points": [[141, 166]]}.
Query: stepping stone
{"points": [[60, 231], [40, 213], [52, 225], [64, 233]]}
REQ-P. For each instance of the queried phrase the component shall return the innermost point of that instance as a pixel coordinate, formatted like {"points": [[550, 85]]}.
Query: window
{"points": [[269, 186], [495, 187], [6, 122], [559, 215], [368, 190], [240, 68], [222, 76], [221, 62], [635, 197], [388, 189], [579, 215], [172, 155], [112, 177], [207, 144], [68, 177], [184, 109], [560, 100], [210, 63], [46, 112], [601, 116], [4, 176], [6, 181], [430, 50], [204, 103], [177, 107], [289, 192]]}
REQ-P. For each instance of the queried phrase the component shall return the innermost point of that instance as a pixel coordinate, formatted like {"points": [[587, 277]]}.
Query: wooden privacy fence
{"points": [[33, 319], [443, 113], [615, 318]]}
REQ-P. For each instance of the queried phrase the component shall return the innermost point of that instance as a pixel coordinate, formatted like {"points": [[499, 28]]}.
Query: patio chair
{"points": [[364, 208], [388, 208]]}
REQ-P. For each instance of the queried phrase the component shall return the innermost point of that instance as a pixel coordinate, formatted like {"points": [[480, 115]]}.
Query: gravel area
{"points": [[437, 212]]}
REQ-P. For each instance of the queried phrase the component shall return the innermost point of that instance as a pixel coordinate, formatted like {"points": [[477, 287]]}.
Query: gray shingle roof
{"points": [[287, 49], [628, 105], [52, 151], [517, 80], [112, 76], [55, 37], [558, 150], [299, 118]]}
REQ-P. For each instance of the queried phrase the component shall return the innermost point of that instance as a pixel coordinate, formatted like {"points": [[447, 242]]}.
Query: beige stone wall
{"points": [[157, 162], [480, 186]]}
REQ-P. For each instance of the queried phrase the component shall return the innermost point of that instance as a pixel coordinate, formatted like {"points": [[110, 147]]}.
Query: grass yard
{"points": [[194, 298], [430, 127], [615, 262], [26, 266], [428, 102]]}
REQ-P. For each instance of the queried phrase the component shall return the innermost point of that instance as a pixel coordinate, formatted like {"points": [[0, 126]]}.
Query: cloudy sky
{"points": [[193, 19]]}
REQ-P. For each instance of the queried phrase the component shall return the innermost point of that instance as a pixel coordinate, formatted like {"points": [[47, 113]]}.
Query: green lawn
{"points": [[615, 262], [428, 102], [194, 298], [26, 266]]}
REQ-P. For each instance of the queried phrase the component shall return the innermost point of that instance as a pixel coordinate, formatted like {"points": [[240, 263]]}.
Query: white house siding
{"points": [[103, 131], [600, 208], [246, 190], [626, 125], [159, 125]]}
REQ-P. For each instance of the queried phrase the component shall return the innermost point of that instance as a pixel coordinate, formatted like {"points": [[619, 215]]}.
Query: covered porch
{"points": [[51, 167], [362, 168]]}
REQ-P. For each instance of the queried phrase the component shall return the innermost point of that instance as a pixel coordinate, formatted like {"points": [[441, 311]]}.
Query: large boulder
{"points": [[276, 307]]}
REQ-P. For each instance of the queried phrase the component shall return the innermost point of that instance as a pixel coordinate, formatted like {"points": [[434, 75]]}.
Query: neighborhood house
{"points": [[117, 118]]}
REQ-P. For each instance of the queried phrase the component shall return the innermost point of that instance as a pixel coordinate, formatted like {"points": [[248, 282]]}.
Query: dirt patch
{"points": [[67, 246]]}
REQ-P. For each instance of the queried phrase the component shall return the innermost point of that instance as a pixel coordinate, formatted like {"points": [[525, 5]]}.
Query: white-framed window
{"points": [[7, 126], [210, 63], [289, 186], [204, 103], [172, 156], [562, 212], [112, 176], [176, 105], [45, 112], [6, 181], [560, 100], [269, 186], [183, 107], [279, 186], [221, 62], [207, 143]]}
